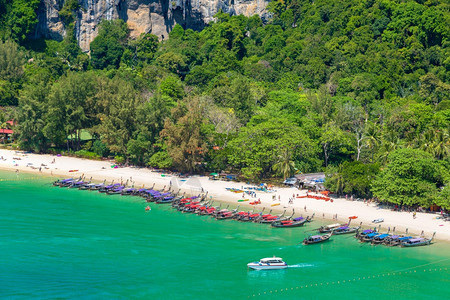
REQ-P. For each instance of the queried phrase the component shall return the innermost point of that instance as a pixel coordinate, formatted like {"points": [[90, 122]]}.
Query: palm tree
{"points": [[425, 141], [284, 166], [441, 144], [372, 137], [390, 143]]}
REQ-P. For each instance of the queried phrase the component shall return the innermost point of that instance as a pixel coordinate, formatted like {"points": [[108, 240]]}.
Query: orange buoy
{"points": [[148, 208]]}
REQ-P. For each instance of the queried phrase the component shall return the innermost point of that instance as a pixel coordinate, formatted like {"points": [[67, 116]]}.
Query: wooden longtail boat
{"points": [[415, 242], [378, 239], [296, 222], [345, 230], [226, 214], [331, 227], [315, 239]]}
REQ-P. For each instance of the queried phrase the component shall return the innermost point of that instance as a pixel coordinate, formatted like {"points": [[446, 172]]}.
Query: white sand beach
{"points": [[59, 167]]}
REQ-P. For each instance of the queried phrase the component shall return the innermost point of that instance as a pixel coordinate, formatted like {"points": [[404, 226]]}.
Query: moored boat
{"points": [[395, 240], [296, 222], [345, 230], [369, 237], [414, 242], [329, 228], [315, 239], [361, 234], [268, 263], [378, 239]]}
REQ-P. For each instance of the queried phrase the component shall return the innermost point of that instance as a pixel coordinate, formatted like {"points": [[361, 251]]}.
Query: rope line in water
{"points": [[402, 272], [21, 179]]}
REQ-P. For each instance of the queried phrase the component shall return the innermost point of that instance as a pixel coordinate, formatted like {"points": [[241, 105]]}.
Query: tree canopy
{"points": [[358, 89]]}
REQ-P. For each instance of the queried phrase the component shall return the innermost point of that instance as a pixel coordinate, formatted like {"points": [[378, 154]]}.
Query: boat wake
{"points": [[300, 266]]}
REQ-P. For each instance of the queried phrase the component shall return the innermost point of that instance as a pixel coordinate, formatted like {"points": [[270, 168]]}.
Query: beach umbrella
{"points": [[213, 174], [353, 217]]}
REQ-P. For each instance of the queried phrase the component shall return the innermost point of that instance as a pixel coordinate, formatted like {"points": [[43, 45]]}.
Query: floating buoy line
{"points": [[388, 274], [20, 179]]}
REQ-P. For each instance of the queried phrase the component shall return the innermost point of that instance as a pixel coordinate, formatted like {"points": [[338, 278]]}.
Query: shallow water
{"points": [[64, 243]]}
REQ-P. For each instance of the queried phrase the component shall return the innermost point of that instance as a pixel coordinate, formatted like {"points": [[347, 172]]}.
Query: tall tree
{"points": [[118, 116], [411, 177], [108, 46], [185, 135]]}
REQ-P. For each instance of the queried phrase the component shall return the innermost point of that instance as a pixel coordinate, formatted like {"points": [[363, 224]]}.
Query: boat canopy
{"points": [[333, 225], [271, 260], [344, 227], [298, 219], [382, 236], [416, 240], [315, 236]]}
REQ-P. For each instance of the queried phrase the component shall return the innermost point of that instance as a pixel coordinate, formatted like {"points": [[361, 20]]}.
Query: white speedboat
{"points": [[269, 263]]}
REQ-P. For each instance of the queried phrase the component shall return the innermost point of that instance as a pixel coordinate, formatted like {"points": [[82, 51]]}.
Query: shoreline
{"points": [[194, 185]]}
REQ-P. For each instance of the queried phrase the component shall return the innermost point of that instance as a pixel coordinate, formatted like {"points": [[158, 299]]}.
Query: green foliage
{"points": [[342, 85], [443, 199], [87, 154], [172, 62], [352, 178], [161, 160], [22, 18], [119, 159], [67, 13], [100, 148], [146, 47], [118, 115], [108, 47], [411, 177], [11, 72], [185, 136], [257, 148]]}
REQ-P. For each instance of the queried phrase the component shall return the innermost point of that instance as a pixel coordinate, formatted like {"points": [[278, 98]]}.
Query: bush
{"points": [[160, 160], [87, 154], [119, 159], [100, 148]]}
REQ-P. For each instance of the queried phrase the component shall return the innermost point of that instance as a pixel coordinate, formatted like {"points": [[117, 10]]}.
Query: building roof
{"points": [[7, 131]]}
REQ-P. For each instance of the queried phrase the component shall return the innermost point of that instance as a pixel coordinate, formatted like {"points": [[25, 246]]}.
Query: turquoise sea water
{"points": [[64, 243]]}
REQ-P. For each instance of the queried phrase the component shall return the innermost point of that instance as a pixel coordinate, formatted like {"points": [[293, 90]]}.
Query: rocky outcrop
{"points": [[50, 24], [142, 16]]}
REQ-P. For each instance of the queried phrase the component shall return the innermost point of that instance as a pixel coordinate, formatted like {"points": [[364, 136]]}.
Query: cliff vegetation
{"points": [[358, 89]]}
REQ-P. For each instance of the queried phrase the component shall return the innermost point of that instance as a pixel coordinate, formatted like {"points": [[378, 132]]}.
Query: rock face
{"points": [[142, 16]]}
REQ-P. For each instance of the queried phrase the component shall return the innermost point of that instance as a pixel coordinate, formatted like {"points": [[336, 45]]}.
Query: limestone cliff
{"points": [[149, 16]]}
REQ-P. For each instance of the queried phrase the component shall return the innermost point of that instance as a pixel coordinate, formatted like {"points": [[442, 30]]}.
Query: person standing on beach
{"points": [[414, 215], [305, 207]]}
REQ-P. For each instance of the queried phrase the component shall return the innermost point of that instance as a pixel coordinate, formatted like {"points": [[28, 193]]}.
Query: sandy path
{"points": [[100, 170]]}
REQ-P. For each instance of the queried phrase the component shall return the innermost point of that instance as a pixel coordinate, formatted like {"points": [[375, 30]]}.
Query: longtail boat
{"points": [[396, 240], [315, 239], [361, 234], [108, 187], [99, 186], [229, 214], [331, 227], [369, 237], [414, 242], [378, 239], [63, 181], [296, 222], [270, 219], [345, 230]]}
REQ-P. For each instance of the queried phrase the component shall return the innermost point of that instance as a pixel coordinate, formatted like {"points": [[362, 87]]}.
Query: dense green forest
{"points": [[356, 88]]}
